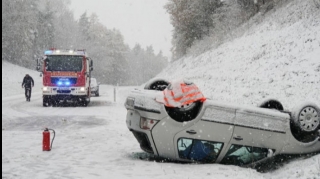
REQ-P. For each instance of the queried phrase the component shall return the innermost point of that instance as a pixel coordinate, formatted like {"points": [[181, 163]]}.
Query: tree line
{"points": [[213, 20], [30, 27]]}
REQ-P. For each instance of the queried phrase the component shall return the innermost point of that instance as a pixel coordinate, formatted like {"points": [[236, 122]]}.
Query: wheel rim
{"points": [[187, 107], [309, 119]]}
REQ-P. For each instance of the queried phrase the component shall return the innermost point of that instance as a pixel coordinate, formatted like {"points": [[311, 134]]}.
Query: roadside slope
{"points": [[278, 57]]}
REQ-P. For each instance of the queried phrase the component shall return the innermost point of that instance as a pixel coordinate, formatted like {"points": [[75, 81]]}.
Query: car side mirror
{"points": [[270, 153]]}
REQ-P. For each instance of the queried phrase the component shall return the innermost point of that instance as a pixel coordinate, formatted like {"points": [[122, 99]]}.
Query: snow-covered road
{"points": [[88, 139], [94, 142]]}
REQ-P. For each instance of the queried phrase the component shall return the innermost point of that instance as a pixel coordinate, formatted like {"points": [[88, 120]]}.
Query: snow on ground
{"points": [[94, 142]]}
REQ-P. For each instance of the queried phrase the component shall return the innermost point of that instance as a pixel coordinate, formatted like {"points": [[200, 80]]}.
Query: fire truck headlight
{"points": [[45, 88], [82, 89]]}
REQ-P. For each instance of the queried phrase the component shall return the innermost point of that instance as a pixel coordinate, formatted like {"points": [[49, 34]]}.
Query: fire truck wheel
{"points": [[46, 102], [54, 102], [84, 102]]}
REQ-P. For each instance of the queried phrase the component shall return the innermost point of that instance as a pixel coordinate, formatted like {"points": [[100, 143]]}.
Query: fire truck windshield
{"points": [[63, 63]]}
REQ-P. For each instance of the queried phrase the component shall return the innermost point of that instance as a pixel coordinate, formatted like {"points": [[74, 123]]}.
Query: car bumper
{"points": [[94, 89], [143, 136], [64, 91]]}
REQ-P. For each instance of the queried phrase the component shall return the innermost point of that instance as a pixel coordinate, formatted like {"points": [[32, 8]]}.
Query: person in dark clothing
{"points": [[27, 83]]}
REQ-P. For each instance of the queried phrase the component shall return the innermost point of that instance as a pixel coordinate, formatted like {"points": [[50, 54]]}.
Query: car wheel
{"points": [[306, 117], [157, 84], [184, 113], [97, 93], [271, 104]]}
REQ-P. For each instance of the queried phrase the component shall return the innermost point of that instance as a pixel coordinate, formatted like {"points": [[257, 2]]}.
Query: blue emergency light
{"points": [[63, 82]]}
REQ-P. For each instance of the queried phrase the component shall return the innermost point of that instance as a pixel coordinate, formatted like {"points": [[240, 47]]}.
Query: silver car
{"points": [[215, 132], [94, 86]]}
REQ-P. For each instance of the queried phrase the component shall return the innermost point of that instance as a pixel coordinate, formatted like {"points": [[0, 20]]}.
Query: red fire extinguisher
{"points": [[46, 139]]}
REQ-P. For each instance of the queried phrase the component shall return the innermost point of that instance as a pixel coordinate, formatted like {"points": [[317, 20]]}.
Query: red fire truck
{"points": [[65, 76]]}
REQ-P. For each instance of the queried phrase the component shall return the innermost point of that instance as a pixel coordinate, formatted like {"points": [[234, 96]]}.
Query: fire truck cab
{"points": [[65, 77]]}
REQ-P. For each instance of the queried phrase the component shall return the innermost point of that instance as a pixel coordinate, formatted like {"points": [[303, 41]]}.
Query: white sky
{"points": [[140, 21], [94, 142]]}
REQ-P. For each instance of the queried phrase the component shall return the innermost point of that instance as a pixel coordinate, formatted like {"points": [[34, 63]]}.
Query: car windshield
{"points": [[63, 63]]}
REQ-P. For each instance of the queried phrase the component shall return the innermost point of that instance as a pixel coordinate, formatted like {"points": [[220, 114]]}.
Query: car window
{"points": [[199, 150], [242, 155]]}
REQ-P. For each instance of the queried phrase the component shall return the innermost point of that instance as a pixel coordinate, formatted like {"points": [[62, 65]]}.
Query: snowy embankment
{"points": [[12, 79], [278, 57]]}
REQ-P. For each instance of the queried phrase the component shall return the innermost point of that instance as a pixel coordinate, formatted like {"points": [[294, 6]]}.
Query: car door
{"points": [[256, 132], [213, 130]]}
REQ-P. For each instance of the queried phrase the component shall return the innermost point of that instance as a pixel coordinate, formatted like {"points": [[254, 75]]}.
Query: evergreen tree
{"points": [[191, 21], [31, 27], [18, 31]]}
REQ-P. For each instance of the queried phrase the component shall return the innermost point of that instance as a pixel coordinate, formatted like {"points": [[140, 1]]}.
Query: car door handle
{"points": [[238, 138], [191, 132]]}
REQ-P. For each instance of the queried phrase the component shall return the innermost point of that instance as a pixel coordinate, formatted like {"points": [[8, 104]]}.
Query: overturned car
{"points": [[175, 121]]}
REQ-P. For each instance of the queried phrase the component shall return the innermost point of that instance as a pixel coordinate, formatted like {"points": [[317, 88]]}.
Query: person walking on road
{"points": [[27, 83]]}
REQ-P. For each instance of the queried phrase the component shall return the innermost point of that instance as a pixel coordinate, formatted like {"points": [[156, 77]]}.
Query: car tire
{"points": [[306, 117], [157, 84], [97, 93], [272, 104], [184, 113]]}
